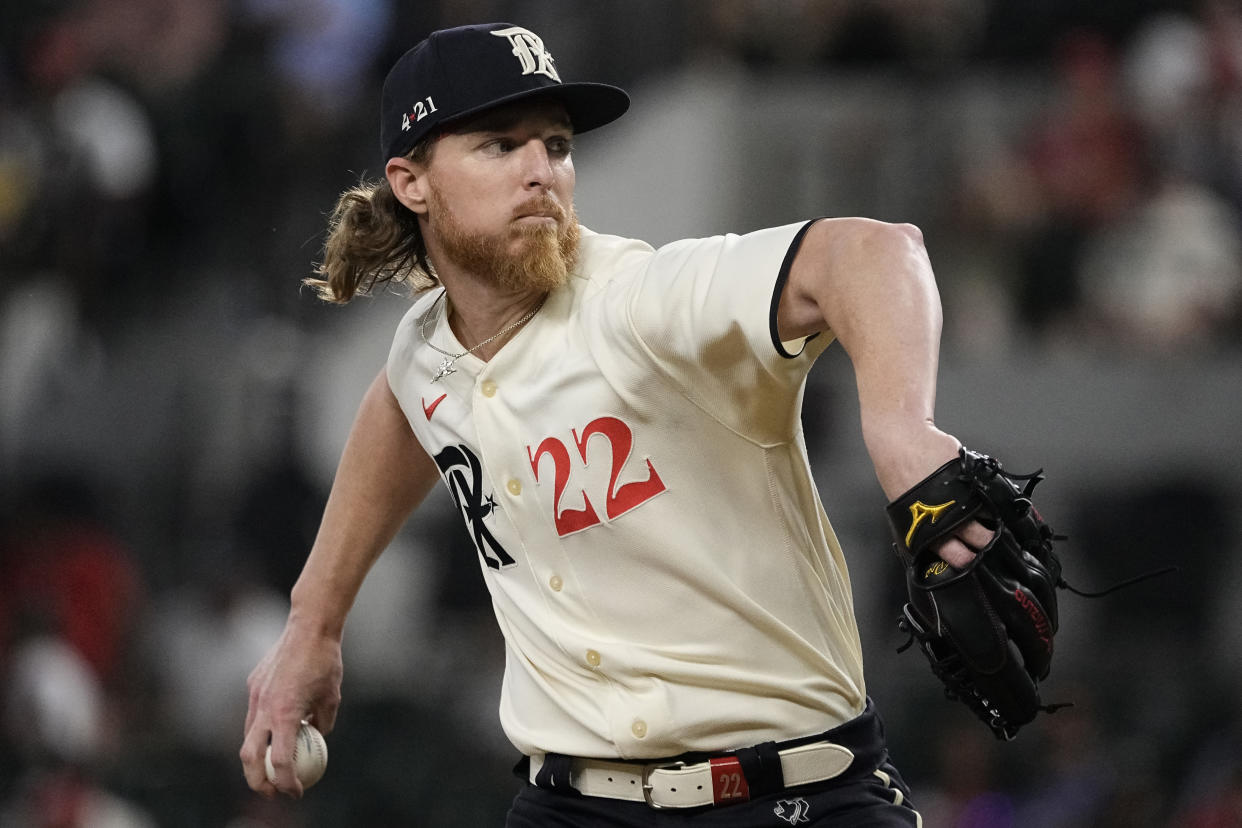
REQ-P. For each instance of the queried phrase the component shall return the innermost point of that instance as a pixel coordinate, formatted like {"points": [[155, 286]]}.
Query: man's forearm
{"points": [[893, 339], [876, 292]]}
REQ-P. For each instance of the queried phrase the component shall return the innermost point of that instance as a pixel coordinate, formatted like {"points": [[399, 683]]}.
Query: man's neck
{"points": [[477, 309]]}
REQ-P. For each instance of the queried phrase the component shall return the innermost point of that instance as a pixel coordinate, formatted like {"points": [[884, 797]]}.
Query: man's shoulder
{"points": [[601, 257], [605, 259]]}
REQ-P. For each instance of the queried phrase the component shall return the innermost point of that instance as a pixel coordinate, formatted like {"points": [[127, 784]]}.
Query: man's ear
{"points": [[408, 181]]}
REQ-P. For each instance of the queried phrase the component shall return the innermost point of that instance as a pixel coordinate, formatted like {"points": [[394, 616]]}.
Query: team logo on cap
{"points": [[530, 52]]}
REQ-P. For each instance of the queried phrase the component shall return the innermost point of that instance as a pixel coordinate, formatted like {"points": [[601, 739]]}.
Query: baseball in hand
{"points": [[310, 756]]}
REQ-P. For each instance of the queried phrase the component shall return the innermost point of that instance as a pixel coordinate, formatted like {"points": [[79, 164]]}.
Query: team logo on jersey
{"points": [[530, 52], [463, 474], [920, 511], [793, 811]]}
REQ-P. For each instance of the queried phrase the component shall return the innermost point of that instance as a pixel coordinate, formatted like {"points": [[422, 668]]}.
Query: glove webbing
{"points": [[956, 678]]}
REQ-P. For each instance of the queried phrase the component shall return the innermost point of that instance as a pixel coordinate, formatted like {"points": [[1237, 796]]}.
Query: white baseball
{"points": [[310, 756]]}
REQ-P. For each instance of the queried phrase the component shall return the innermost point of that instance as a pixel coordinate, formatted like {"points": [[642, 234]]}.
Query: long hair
{"points": [[373, 239]]}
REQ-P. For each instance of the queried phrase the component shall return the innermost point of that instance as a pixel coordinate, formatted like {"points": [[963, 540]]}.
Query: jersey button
{"points": [[592, 658], [639, 729], [515, 487], [488, 388], [556, 583]]}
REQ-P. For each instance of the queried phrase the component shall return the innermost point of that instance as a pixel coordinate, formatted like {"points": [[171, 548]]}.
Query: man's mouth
{"points": [[538, 213]]}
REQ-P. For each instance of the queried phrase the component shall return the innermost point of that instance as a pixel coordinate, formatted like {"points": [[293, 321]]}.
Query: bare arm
{"points": [[872, 285], [383, 474]]}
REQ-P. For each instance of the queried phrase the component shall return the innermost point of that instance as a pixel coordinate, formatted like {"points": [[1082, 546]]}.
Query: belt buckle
{"points": [[648, 787]]}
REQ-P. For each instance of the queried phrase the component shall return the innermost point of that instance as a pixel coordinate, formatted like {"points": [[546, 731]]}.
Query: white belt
{"points": [[714, 782]]}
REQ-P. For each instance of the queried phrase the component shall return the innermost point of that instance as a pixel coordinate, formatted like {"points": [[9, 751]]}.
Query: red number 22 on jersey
{"points": [[619, 500]]}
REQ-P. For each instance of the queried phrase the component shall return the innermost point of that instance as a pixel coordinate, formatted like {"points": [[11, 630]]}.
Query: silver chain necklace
{"points": [[447, 364]]}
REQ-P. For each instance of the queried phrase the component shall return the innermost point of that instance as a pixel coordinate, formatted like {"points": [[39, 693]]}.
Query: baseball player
{"points": [[620, 429]]}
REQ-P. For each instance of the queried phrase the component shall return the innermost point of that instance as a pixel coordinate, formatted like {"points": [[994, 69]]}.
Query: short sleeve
{"points": [[705, 312]]}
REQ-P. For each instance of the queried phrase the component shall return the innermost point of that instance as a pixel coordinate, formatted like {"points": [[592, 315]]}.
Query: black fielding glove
{"points": [[987, 629]]}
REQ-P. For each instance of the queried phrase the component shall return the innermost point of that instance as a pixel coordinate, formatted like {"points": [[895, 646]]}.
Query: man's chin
{"points": [[529, 234], [536, 222], [541, 258], [540, 270]]}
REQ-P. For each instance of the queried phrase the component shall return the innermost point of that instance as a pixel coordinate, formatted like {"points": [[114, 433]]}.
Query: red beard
{"points": [[546, 254]]}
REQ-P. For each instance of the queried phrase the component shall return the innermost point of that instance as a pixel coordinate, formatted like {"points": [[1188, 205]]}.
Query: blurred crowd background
{"points": [[172, 403]]}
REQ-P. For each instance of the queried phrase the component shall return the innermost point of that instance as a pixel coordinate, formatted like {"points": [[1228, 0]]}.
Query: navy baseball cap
{"points": [[466, 70]]}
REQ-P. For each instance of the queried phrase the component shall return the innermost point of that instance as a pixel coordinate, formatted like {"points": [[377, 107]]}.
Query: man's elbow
{"points": [[867, 236], [900, 236], [911, 232]]}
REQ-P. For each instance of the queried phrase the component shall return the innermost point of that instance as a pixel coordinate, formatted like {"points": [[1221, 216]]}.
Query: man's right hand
{"points": [[299, 678]]}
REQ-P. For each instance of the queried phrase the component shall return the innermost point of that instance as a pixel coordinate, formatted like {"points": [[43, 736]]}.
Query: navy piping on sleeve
{"points": [[781, 279]]}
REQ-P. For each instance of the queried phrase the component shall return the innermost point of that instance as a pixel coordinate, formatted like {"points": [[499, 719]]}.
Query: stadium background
{"points": [[172, 403]]}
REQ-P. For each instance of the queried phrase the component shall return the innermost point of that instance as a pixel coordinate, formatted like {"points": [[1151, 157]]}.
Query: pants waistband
{"points": [[697, 779]]}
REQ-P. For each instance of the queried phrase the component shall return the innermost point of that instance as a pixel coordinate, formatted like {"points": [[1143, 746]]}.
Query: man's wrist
{"points": [[311, 617], [901, 460]]}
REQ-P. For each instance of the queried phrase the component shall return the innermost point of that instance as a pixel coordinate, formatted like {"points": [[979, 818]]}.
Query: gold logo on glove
{"points": [[920, 510]]}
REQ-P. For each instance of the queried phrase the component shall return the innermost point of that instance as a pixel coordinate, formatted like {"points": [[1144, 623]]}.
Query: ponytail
{"points": [[372, 239]]}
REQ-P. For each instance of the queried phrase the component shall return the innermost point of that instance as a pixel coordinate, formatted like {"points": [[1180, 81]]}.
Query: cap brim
{"points": [[589, 105]]}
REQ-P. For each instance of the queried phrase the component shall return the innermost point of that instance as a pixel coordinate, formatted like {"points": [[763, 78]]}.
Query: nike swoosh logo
{"points": [[431, 409]]}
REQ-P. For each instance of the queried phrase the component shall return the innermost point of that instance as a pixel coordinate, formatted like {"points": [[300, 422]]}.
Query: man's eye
{"points": [[560, 146], [499, 146]]}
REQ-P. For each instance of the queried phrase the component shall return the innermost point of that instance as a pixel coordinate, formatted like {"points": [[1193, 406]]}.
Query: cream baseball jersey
{"points": [[632, 471]]}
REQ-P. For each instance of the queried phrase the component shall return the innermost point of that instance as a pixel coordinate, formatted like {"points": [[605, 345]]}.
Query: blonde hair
{"points": [[373, 239]]}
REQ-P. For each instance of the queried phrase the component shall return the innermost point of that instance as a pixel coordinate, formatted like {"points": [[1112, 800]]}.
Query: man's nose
{"points": [[537, 165]]}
